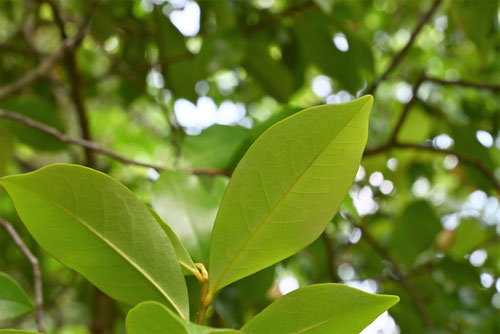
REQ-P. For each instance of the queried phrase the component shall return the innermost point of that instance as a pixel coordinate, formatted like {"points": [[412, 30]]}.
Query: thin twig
{"points": [[398, 271], [76, 82], [423, 147], [400, 55], [95, 147], [37, 274], [463, 83], [407, 108], [48, 63]]}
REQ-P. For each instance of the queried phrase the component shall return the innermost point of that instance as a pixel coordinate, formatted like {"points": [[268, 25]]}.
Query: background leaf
{"points": [[189, 207], [214, 148], [467, 237], [180, 251], [414, 232], [13, 300]]}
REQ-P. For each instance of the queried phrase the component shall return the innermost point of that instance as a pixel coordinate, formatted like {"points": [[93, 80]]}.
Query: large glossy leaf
{"points": [[154, 318], [189, 207], [287, 188], [320, 309], [13, 300], [95, 225]]}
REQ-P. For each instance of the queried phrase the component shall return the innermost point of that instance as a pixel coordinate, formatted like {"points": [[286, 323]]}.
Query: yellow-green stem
{"points": [[206, 297]]}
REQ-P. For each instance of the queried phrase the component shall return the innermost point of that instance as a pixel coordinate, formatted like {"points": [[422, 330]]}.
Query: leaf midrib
{"points": [[285, 194], [112, 246]]}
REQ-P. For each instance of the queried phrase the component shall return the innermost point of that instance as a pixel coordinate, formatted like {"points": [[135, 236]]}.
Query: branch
{"points": [[400, 55], [289, 12], [407, 108], [37, 274], [398, 271], [76, 82], [46, 65], [422, 147], [95, 147], [462, 83]]}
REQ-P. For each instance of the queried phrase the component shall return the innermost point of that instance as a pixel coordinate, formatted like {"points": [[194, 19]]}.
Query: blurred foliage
{"points": [[191, 85]]}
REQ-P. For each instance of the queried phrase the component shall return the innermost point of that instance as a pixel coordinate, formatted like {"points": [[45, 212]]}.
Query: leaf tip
{"points": [[391, 300], [367, 99]]}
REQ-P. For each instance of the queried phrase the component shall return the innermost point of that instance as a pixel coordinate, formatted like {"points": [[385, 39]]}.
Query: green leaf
{"points": [[272, 75], [467, 144], [222, 50], [318, 309], [468, 235], [96, 226], [15, 331], [189, 207], [477, 18], [181, 74], [416, 128], [197, 329], [181, 252], [13, 300], [415, 232], [287, 188], [252, 135], [215, 147], [316, 40], [153, 318]]}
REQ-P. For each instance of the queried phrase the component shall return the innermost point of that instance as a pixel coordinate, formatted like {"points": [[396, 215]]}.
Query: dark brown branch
{"points": [[422, 147], [95, 147], [47, 64], [462, 83], [398, 271], [76, 83], [400, 55], [37, 274]]}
